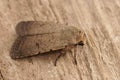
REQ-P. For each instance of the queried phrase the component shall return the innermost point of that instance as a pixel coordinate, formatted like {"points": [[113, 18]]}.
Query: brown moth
{"points": [[36, 37]]}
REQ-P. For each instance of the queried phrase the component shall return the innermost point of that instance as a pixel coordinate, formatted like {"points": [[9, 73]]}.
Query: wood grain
{"points": [[99, 59]]}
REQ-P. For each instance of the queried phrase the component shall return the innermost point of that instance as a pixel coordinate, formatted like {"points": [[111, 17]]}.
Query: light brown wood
{"points": [[99, 59]]}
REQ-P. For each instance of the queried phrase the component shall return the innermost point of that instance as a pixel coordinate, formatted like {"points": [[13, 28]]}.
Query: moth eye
{"points": [[81, 43]]}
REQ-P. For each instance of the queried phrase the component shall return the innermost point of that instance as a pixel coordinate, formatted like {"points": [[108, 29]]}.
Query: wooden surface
{"points": [[99, 59]]}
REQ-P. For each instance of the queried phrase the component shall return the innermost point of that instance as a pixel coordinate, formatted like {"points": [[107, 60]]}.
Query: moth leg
{"points": [[74, 56], [62, 53], [73, 49]]}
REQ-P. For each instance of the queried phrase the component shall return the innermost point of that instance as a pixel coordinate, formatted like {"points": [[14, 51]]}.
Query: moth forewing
{"points": [[38, 38]]}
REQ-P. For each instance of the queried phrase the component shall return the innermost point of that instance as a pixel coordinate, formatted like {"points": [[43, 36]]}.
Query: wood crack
{"points": [[1, 76], [30, 7], [50, 5], [88, 66]]}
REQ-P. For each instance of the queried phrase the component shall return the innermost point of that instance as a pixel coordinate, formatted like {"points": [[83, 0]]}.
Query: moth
{"points": [[37, 37]]}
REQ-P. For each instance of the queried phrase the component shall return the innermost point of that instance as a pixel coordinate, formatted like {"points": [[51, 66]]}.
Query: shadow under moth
{"points": [[36, 37]]}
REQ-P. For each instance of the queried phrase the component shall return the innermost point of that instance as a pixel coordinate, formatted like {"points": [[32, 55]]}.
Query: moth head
{"points": [[80, 38]]}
